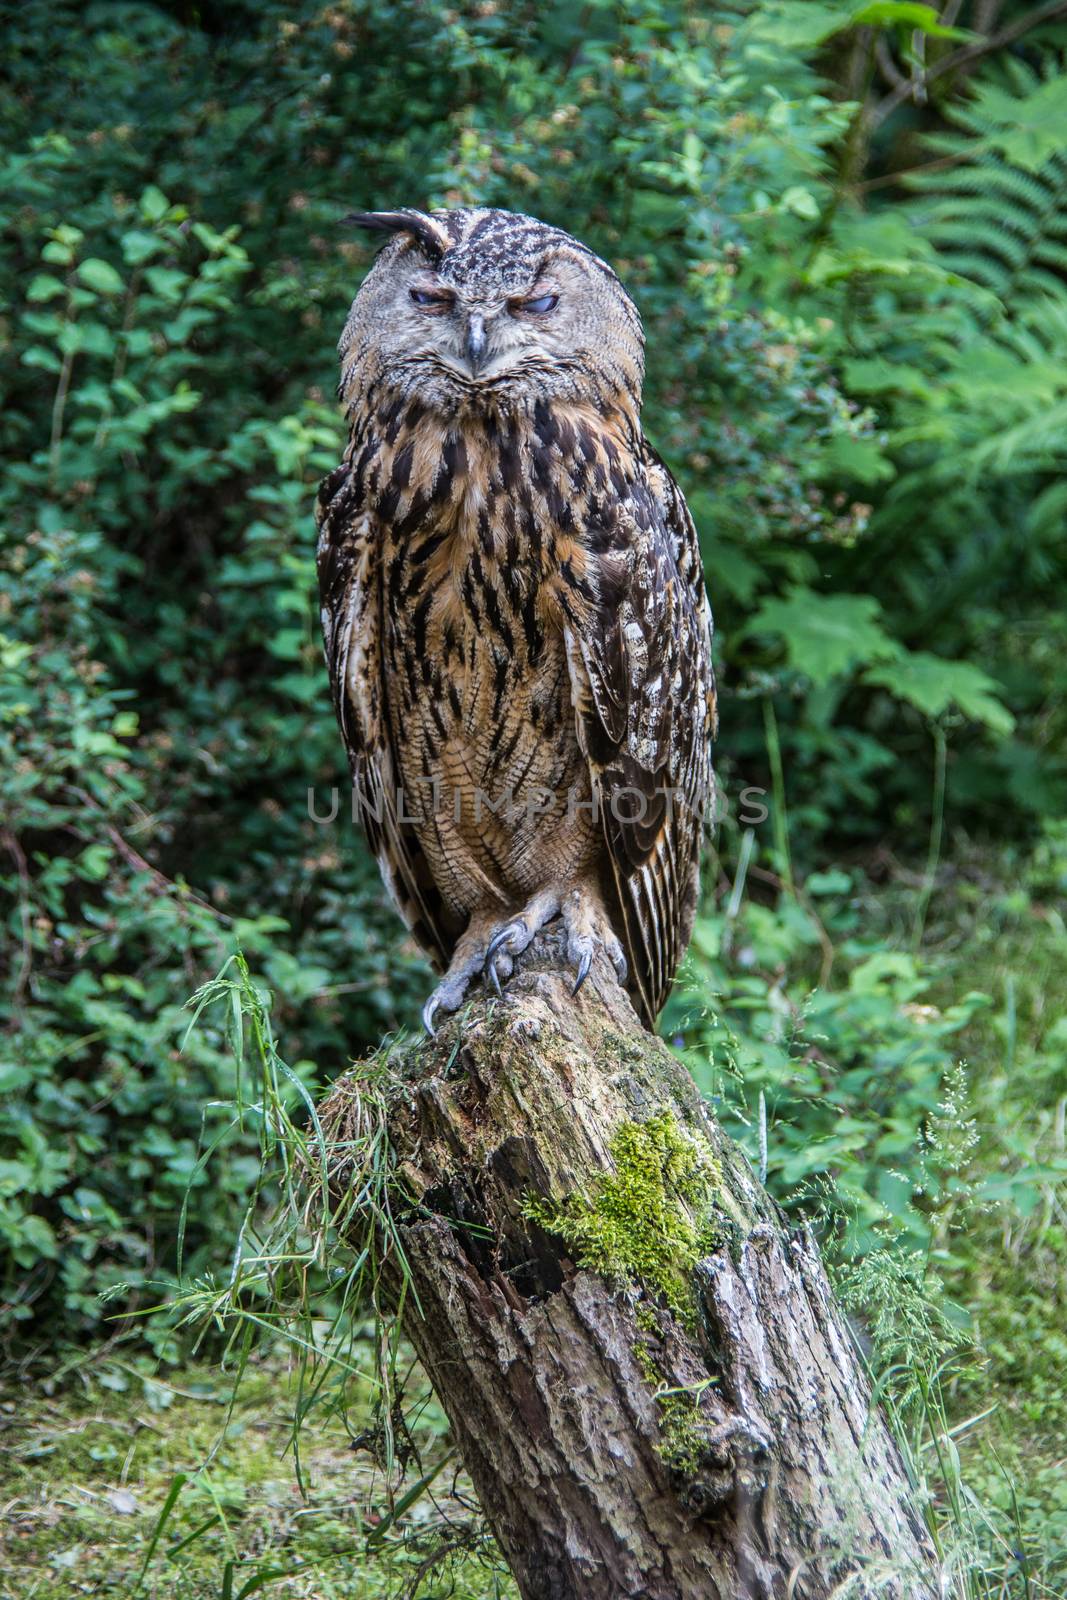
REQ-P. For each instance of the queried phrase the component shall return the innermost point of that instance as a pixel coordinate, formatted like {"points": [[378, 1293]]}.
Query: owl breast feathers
{"points": [[517, 632]]}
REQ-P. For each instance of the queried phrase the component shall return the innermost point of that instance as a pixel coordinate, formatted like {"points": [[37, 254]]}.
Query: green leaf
{"points": [[58, 253], [177, 1483], [287, 643], [801, 202], [47, 323], [15, 1177], [260, 1580], [100, 275], [932, 685], [95, 861], [729, 568], [825, 635], [898, 13], [875, 375], [154, 204], [40, 1237], [166, 282], [376, 1535], [797, 25], [886, 969], [834, 881], [96, 339], [139, 246], [39, 356], [45, 287], [859, 459], [1031, 127]]}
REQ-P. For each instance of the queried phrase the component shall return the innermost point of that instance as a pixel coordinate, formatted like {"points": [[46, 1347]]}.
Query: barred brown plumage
{"points": [[517, 631]]}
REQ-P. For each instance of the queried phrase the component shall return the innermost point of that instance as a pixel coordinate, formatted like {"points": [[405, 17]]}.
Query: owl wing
{"points": [[350, 591], [644, 696]]}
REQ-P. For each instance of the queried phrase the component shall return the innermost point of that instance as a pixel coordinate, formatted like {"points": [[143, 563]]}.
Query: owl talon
{"points": [[512, 937], [583, 971], [516, 936], [502, 936], [449, 994], [489, 950], [589, 930]]}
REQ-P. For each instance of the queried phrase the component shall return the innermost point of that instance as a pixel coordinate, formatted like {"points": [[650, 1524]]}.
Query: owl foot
{"points": [[515, 936], [588, 929], [451, 991], [468, 962], [488, 949]]}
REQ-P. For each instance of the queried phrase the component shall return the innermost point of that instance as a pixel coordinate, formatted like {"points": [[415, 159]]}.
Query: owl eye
{"points": [[427, 297], [543, 303]]}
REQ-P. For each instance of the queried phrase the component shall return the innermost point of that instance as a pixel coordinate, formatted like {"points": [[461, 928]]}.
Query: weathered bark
{"points": [[607, 1463]]}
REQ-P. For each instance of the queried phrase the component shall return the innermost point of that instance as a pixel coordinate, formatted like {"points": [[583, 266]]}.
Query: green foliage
{"points": [[825, 636], [920, 1126], [995, 202], [851, 1074]]}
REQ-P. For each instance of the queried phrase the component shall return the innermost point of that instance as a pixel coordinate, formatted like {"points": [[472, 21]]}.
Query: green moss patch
{"points": [[648, 1220], [683, 1442]]}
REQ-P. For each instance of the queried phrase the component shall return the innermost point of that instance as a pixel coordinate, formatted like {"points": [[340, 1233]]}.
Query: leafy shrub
{"points": [[835, 1089], [106, 1118]]}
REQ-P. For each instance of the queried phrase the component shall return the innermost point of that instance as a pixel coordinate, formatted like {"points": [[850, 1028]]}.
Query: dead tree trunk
{"points": [[651, 1386]]}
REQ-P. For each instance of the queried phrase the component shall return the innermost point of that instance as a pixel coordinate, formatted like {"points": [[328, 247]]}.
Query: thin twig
{"points": [[167, 885], [937, 825], [59, 406], [888, 178], [137, 861], [887, 66]]}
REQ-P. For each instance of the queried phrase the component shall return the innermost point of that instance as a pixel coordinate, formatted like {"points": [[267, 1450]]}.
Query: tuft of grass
{"points": [[319, 1183], [314, 1249]]}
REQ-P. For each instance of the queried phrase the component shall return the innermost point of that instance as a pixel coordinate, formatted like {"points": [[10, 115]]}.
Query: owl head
{"points": [[481, 309]]}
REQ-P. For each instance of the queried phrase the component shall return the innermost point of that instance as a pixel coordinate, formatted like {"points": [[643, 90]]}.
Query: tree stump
{"points": [[642, 1361]]}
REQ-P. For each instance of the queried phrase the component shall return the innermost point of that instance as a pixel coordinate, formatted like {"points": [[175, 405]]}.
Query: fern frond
{"points": [[1053, 255], [1032, 446], [996, 208]]}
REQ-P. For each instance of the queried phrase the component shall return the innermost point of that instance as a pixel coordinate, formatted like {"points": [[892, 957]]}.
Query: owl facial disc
{"points": [[484, 311]]}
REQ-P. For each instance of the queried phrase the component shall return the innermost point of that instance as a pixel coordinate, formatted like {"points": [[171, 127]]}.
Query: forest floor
{"points": [[92, 1466], [126, 1478]]}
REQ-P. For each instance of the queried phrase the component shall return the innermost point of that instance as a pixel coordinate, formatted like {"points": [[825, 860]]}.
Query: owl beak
{"points": [[476, 342]]}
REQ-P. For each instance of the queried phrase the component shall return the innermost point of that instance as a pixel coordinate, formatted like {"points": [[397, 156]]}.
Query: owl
{"points": [[516, 627]]}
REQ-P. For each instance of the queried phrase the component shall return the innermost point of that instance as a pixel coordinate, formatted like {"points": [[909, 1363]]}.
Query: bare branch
{"points": [[964, 56]]}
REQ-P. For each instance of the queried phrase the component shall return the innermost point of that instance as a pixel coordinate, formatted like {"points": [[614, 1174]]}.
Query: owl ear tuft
{"points": [[431, 234]]}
